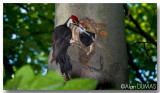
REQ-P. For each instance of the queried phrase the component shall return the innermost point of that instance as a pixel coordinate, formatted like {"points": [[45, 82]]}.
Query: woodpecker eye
{"points": [[74, 21], [82, 28]]}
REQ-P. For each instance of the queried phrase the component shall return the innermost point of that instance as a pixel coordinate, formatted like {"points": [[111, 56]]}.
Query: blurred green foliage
{"points": [[27, 36], [141, 35], [27, 30], [51, 81]]}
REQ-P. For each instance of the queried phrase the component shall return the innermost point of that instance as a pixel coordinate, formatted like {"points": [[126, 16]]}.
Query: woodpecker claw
{"points": [[75, 24], [72, 41]]}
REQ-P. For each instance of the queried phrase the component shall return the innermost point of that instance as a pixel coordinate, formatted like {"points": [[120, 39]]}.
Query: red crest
{"points": [[74, 18], [83, 24]]}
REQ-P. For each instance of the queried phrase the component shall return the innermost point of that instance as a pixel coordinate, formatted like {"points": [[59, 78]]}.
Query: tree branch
{"points": [[149, 38], [137, 43], [134, 66]]}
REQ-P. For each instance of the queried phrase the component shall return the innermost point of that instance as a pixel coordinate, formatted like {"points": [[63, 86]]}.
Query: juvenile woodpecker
{"points": [[86, 37], [60, 43]]}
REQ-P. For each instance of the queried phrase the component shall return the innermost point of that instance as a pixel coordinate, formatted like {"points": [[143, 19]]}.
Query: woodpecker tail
{"points": [[65, 65]]}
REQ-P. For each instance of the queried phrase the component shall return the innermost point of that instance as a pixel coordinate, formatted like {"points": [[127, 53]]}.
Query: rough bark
{"points": [[108, 62]]}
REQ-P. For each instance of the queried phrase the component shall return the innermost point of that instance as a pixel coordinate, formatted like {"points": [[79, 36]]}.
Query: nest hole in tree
{"points": [[87, 41]]}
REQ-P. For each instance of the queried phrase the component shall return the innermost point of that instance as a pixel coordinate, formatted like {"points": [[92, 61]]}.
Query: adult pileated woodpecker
{"points": [[60, 43]]}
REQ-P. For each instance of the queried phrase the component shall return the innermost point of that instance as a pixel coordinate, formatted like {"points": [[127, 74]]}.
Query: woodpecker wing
{"points": [[60, 40]]}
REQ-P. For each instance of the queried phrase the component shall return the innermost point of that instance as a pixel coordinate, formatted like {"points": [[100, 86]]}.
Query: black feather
{"points": [[86, 39], [60, 43]]}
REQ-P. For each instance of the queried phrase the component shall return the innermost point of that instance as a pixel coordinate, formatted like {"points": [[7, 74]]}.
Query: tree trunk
{"points": [[107, 62]]}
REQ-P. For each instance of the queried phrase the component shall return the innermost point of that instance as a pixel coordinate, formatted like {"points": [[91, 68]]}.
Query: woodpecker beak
{"points": [[81, 29], [75, 24]]}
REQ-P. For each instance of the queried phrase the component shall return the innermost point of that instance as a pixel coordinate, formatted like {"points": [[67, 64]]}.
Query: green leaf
{"points": [[80, 84], [52, 81], [12, 84], [54, 76], [22, 76], [26, 73]]}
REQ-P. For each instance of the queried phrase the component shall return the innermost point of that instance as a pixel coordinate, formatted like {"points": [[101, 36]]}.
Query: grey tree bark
{"points": [[108, 64]]}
